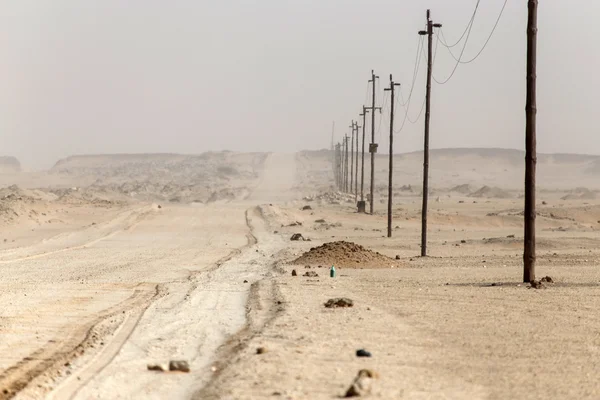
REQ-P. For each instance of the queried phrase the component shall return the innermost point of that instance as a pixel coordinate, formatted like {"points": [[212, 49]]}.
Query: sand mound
{"points": [[346, 255], [491, 193], [580, 193], [463, 189], [9, 165]]}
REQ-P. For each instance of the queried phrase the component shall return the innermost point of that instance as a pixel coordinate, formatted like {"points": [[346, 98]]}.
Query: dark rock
{"points": [[179, 365], [157, 367], [294, 273], [362, 353], [261, 350], [305, 208], [339, 302], [547, 279], [297, 237]]}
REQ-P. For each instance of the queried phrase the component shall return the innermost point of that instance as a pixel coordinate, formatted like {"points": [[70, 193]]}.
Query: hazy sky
{"points": [[108, 76]]}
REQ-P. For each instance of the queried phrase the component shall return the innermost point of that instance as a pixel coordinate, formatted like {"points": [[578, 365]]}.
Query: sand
{"points": [[108, 282]]}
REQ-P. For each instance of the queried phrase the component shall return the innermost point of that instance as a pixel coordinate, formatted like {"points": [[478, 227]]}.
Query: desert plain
{"points": [[112, 263]]}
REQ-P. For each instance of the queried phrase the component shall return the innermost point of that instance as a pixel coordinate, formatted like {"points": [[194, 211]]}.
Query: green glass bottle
{"points": [[332, 272]]}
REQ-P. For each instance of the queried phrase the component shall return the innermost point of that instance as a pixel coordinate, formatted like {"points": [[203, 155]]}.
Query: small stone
{"points": [[261, 350], [157, 367], [297, 237], [397, 257], [245, 281], [547, 279], [361, 386], [339, 302], [311, 274], [179, 365], [159, 206], [362, 353], [463, 241], [305, 208], [294, 273]]}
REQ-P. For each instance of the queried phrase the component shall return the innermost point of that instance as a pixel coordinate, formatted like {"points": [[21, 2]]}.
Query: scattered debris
{"points": [[158, 367], [339, 302], [311, 274], [179, 365], [362, 353], [361, 386]]}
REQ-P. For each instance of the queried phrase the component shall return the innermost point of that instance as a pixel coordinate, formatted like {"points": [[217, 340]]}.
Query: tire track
{"points": [[56, 354]]}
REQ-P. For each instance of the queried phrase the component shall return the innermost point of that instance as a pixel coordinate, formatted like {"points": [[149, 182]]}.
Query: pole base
{"points": [[362, 206]]}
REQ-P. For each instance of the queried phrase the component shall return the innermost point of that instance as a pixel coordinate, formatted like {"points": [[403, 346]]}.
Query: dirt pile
{"points": [[491, 193], [346, 255]]}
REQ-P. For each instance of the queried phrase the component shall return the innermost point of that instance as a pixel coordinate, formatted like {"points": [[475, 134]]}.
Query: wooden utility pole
{"points": [[362, 167], [391, 166], [346, 163], [361, 205], [352, 157], [429, 33], [356, 126], [373, 145], [338, 166], [530, 144]]}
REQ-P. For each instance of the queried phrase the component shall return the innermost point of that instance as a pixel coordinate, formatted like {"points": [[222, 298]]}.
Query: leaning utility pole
{"points": [[361, 204], [352, 157], [429, 33], [373, 145], [356, 126], [391, 167], [530, 144]]}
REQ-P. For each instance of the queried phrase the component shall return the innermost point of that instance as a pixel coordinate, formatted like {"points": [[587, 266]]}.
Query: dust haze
{"points": [[171, 225], [189, 77]]}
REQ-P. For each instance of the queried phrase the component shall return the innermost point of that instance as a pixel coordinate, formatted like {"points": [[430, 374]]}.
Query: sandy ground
{"points": [[88, 302]]}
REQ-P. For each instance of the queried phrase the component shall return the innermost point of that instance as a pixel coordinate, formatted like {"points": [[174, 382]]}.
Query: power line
{"points": [[466, 28], [383, 109], [457, 60], [415, 70], [486, 42]]}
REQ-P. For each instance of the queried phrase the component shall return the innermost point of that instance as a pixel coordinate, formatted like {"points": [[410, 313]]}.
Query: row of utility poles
{"points": [[347, 180]]}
